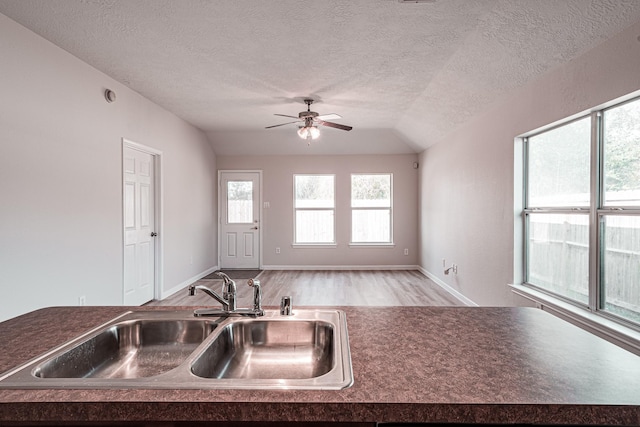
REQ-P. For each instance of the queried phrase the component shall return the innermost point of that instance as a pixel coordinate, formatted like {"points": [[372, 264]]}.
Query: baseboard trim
{"points": [[457, 295], [340, 267], [179, 287]]}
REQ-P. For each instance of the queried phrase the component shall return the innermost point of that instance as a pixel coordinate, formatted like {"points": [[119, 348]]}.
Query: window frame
{"points": [[390, 242], [550, 210], [296, 243], [593, 315]]}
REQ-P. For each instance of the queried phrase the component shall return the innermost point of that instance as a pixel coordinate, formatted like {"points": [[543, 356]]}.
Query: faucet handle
{"points": [[229, 289]]}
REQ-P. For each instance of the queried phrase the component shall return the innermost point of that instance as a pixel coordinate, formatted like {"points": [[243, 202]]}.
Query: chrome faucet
{"points": [[229, 290], [228, 298]]}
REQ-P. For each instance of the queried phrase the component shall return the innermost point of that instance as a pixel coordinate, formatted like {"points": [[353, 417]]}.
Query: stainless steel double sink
{"points": [[174, 349]]}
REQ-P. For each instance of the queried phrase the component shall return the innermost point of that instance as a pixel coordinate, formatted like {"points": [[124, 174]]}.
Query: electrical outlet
{"points": [[82, 300], [277, 250], [406, 251], [455, 268]]}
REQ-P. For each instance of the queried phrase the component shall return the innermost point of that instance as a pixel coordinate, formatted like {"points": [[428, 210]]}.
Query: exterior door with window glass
{"points": [[239, 204]]}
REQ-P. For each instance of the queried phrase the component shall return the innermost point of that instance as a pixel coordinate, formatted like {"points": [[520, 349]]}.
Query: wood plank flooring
{"points": [[329, 288]]}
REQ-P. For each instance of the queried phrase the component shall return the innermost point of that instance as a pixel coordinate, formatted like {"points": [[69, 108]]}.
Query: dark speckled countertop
{"points": [[410, 364]]}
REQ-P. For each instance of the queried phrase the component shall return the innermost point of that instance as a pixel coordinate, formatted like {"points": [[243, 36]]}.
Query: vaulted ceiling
{"points": [[402, 74]]}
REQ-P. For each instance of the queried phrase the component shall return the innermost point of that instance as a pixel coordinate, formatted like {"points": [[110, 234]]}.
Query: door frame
{"points": [[260, 216], [158, 214]]}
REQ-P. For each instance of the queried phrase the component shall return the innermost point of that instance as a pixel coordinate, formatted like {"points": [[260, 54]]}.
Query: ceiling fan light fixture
{"points": [[303, 132], [311, 121], [314, 131], [309, 132]]}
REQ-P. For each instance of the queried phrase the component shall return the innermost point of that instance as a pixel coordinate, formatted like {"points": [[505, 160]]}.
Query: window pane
{"points": [[314, 226], [621, 266], [314, 191], [558, 166], [372, 191], [239, 202], [371, 226], [622, 155], [558, 248]]}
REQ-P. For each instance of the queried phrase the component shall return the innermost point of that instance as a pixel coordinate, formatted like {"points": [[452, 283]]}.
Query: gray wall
{"points": [[277, 224], [467, 180], [61, 180]]}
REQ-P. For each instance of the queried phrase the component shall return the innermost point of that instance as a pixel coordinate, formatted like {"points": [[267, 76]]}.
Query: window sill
{"points": [[314, 245], [372, 245], [597, 324]]}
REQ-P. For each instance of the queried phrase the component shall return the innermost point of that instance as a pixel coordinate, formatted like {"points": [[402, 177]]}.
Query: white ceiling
{"points": [[403, 75]]}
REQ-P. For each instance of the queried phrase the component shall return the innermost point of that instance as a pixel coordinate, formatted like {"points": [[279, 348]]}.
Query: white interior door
{"points": [[139, 223], [239, 207]]}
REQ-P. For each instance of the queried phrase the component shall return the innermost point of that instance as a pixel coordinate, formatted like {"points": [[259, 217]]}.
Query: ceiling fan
{"points": [[311, 120]]}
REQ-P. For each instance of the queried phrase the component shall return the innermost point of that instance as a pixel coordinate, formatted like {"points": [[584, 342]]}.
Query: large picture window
{"points": [[619, 213], [558, 209], [371, 208], [582, 212], [314, 205]]}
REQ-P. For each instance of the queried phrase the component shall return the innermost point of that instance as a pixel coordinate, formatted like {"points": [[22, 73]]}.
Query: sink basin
{"points": [[130, 349], [175, 350], [263, 349]]}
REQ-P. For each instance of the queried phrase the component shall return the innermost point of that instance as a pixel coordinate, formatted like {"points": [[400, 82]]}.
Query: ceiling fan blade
{"points": [[284, 115], [282, 124], [332, 116], [334, 125]]}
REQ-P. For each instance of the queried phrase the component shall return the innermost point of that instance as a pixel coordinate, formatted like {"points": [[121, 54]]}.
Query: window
{"points": [[557, 211], [582, 214], [619, 215], [371, 202], [240, 202], [314, 205]]}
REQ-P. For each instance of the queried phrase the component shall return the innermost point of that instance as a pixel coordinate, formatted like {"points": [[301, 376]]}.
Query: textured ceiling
{"points": [[403, 75]]}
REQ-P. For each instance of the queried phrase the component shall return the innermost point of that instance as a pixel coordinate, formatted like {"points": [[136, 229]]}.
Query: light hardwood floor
{"points": [[329, 288]]}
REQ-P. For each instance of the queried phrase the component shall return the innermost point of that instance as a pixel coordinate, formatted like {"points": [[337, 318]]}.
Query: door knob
{"points": [[254, 228], [154, 234]]}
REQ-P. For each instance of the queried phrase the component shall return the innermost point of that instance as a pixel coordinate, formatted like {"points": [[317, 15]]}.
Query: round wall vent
{"points": [[109, 95]]}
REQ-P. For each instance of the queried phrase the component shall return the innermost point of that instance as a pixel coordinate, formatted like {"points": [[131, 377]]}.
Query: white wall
{"points": [[277, 224], [61, 179], [467, 180]]}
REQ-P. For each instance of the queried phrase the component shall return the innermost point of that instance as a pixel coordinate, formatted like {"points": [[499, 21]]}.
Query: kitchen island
{"points": [[464, 365]]}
